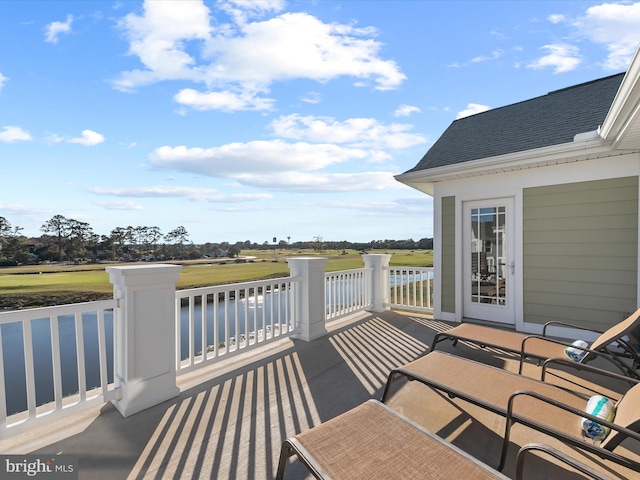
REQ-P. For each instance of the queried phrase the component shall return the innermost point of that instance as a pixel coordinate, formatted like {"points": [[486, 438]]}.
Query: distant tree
{"points": [[5, 227], [58, 227], [234, 251], [177, 237], [78, 237], [317, 244], [118, 240], [13, 245]]}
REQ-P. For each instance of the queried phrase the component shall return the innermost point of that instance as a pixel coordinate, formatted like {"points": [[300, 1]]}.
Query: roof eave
{"points": [[579, 150], [624, 109]]}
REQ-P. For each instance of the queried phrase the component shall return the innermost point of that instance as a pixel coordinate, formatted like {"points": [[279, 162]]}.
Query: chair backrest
{"points": [[617, 331], [627, 415]]}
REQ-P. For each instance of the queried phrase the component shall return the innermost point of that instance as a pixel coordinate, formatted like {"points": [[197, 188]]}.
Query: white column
{"points": [[309, 306], [145, 335], [379, 280]]}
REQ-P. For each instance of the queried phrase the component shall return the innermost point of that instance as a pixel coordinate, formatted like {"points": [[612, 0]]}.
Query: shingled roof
{"points": [[551, 119]]}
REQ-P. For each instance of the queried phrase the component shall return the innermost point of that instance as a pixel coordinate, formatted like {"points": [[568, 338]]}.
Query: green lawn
{"points": [[41, 285]]}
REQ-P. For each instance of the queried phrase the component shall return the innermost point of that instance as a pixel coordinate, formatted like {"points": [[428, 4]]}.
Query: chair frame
{"points": [[292, 446], [614, 357], [513, 417], [540, 447]]}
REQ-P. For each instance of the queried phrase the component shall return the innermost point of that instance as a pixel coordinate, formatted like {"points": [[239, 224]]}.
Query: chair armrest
{"points": [[570, 325], [563, 436], [586, 368], [581, 413], [564, 458]]}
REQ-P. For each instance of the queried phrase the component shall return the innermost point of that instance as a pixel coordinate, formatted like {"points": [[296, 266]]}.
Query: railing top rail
{"points": [[340, 272], [417, 269], [57, 310], [231, 286]]}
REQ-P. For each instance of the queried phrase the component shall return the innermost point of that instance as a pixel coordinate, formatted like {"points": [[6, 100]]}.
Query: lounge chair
{"points": [[542, 347], [540, 405], [374, 441]]}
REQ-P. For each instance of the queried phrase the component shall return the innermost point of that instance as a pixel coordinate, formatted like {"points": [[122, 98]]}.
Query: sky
{"points": [[248, 120]]}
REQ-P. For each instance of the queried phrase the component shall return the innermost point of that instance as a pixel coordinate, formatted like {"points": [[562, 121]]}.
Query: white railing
{"points": [[411, 288], [346, 292], [58, 360], [54, 361], [220, 321]]}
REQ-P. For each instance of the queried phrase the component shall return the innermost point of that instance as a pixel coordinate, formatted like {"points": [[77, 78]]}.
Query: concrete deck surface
{"points": [[230, 419]]}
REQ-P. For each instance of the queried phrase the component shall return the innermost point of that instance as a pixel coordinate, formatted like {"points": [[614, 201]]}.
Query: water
{"points": [[258, 319], [14, 364], [253, 316]]}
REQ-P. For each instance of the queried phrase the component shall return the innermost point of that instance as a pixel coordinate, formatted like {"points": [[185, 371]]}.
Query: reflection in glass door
{"points": [[488, 254]]}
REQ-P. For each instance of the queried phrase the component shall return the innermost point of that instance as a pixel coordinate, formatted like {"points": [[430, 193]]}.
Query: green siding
{"points": [[448, 229], [580, 249]]}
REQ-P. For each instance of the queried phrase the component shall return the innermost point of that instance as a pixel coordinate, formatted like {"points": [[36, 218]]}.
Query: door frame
{"points": [[508, 313]]}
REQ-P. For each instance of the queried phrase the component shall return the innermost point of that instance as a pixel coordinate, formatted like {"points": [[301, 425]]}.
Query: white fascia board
{"points": [[423, 180], [624, 102]]}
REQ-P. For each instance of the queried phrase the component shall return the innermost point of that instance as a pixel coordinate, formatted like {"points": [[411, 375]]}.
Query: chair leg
{"points": [[285, 452], [390, 380], [505, 443]]}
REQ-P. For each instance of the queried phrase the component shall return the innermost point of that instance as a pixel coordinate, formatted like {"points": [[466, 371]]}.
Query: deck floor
{"points": [[230, 419]]}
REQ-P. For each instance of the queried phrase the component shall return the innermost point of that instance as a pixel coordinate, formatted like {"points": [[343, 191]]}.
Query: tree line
{"points": [[68, 239], [71, 240]]}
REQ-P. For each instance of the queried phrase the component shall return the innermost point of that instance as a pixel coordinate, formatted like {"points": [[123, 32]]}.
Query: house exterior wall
{"points": [[580, 252], [448, 252], [606, 184]]}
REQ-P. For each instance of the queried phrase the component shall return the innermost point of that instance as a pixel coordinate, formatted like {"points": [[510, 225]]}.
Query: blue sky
{"points": [[245, 120]]}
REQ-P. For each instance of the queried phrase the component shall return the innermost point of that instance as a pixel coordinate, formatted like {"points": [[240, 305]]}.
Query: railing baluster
{"points": [[191, 321], [216, 326], [29, 368], [82, 378], [203, 326], [246, 316], [102, 353], [227, 339], [178, 314], [3, 398], [55, 360]]}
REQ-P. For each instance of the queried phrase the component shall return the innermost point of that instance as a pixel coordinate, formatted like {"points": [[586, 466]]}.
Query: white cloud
{"points": [[10, 134], [484, 58], [614, 25], [561, 57], [238, 62], [3, 81], [406, 110], [242, 10], [322, 182], [557, 18], [55, 29], [121, 205], [356, 132], [196, 194], [472, 109], [265, 157], [225, 100], [312, 97], [88, 138]]}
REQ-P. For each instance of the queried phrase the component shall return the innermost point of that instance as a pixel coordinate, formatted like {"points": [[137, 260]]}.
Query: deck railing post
{"points": [[145, 335], [309, 307], [378, 263]]}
